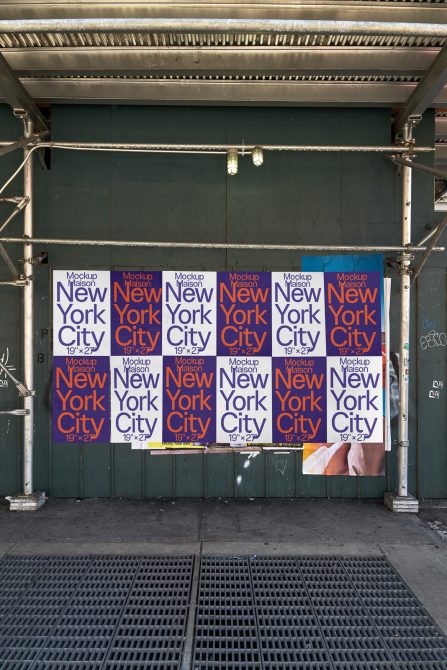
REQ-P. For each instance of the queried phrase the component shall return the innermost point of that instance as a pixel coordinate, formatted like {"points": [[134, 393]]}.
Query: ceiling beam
{"points": [[352, 10], [13, 92], [257, 61], [224, 26], [424, 94], [229, 92]]}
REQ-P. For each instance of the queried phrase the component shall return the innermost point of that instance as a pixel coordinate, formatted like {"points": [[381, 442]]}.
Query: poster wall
{"points": [[217, 357]]}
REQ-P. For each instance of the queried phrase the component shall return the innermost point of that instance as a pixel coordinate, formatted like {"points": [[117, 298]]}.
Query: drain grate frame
{"points": [[312, 613], [259, 612], [94, 612]]}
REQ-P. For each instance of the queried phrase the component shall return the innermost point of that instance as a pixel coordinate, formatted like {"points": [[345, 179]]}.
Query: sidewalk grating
{"points": [[266, 613], [311, 613]]}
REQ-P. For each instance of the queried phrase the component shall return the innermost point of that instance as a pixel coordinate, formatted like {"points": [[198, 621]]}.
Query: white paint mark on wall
{"points": [[281, 465]]}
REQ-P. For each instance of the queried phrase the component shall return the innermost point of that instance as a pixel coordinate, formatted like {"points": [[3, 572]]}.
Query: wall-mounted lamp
{"points": [[232, 160], [257, 156]]}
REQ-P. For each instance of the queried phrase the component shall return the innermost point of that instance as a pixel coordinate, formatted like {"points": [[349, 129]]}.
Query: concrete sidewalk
{"points": [[239, 527]]}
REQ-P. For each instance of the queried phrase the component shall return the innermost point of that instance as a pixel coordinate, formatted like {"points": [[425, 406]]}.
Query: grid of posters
{"points": [[233, 358]]}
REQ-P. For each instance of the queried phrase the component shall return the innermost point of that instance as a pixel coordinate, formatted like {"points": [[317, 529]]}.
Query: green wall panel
{"points": [[10, 426], [250, 475], [310, 487], [159, 476], [280, 474], [96, 471], [219, 475], [128, 471], [293, 198], [65, 473], [342, 487], [189, 471], [432, 367]]}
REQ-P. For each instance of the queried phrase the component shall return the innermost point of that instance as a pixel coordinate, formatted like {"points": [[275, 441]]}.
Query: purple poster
{"points": [[136, 313], [353, 313], [189, 399], [81, 399], [299, 399], [244, 314]]}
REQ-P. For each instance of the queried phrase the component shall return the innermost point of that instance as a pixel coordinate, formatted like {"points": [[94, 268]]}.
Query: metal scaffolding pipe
{"points": [[418, 166], [222, 148], [404, 366], [28, 322], [435, 237], [213, 245], [224, 26], [19, 386], [17, 282], [9, 262], [427, 237], [17, 209], [9, 147]]}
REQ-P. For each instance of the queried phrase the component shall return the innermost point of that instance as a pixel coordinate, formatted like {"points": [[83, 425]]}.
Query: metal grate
{"points": [[311, 614], [113, 613], [97, 612], [239, 77]]}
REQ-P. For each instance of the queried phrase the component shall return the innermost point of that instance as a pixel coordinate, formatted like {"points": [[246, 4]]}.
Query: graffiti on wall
{"points": [[4, 358]]}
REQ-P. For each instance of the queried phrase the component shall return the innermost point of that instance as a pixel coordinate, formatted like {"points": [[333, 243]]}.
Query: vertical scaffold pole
{"points": [[402, 502], [28, 499], [404, 350], [28, 323]]}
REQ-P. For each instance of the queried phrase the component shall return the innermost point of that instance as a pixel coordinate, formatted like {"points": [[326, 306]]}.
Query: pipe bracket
{"points": [[402, 443], [403, 263], [27, 393]]}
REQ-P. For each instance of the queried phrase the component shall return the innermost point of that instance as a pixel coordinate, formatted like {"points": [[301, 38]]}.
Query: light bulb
{"points": [[232, 160], [257, 156]]}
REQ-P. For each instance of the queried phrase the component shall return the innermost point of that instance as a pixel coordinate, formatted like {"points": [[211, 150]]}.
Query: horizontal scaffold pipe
{"points": [[212, 245], [223, 26], [223, 148]]}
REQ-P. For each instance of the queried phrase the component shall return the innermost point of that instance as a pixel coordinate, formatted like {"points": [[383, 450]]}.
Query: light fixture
{"points": [[232, 160], [257, 156]]}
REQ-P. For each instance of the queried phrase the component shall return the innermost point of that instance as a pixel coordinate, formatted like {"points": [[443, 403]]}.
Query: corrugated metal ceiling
{"points": [[144, 67]]}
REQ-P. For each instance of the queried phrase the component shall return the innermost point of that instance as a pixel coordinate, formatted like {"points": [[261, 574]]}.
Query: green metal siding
{"points": [[432, 366], [293, 198]]}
